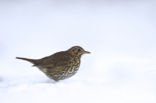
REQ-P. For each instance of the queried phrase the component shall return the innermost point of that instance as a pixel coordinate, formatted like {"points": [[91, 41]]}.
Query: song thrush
{"points": [[60, 65]]}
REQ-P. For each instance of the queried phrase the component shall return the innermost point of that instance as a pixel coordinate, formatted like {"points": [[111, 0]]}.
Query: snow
{"points": [[119, 34]]}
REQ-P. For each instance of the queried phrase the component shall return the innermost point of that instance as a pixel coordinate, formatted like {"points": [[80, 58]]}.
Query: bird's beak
{"points": [[86, 52]]}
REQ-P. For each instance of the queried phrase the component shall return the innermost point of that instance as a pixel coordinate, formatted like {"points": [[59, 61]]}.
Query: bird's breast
{"points": [[72, 70]]}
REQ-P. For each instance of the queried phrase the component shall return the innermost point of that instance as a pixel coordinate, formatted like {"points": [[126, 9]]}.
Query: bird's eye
{"points": [[79, 50]]}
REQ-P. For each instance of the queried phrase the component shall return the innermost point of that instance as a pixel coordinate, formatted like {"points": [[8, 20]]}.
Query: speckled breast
{"points": [[71, 71]]}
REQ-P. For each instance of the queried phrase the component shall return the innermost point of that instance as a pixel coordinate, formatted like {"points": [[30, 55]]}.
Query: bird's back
{"points": [[57, 59]]}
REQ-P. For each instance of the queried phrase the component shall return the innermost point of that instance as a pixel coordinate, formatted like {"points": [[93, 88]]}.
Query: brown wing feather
{"points": [[55, 60]]}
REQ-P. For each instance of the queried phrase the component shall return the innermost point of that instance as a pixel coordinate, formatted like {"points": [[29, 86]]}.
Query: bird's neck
{"points": [[77, 56]]}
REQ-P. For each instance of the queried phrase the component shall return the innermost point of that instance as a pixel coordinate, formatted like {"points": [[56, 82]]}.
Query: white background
{"points": [[121, 36]]}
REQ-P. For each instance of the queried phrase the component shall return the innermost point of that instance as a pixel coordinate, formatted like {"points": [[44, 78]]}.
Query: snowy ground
{"points": [[120, 34]]}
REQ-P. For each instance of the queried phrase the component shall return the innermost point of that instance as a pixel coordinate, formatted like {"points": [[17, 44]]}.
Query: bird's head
{"points": [[77, 51]]}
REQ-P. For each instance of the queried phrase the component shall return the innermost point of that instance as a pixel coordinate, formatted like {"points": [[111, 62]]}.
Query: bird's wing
{"points": [[56, 60]]}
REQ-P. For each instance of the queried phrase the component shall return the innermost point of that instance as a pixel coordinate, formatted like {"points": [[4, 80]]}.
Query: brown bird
{"points": [[60, 65]]}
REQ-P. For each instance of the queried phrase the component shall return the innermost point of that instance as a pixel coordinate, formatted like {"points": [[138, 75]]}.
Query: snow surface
{"points": [[120, 35]]}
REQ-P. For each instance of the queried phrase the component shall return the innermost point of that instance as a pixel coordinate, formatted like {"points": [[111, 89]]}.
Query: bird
{"points": [[60, 65]]}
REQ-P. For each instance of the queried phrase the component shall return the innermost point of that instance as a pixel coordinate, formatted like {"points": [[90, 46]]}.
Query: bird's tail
{"points": [[33, 61]]}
